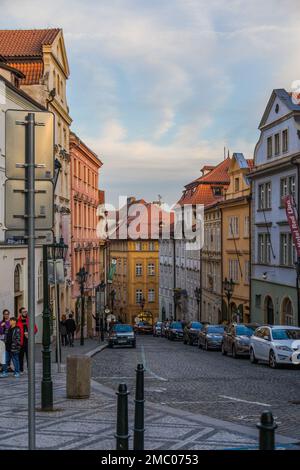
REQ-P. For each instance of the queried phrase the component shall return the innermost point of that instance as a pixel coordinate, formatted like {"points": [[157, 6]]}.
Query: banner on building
{"points": [[293, 221], [112, 270]]}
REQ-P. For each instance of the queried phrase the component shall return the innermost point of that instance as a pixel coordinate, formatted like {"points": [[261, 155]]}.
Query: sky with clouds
{"points": [[159, 87]]}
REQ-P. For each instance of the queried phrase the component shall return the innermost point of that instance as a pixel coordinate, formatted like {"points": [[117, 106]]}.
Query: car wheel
{"points": [[253, 359], [134, 344], [233, 352], [224, 352], [272, 360], [110, 345]]}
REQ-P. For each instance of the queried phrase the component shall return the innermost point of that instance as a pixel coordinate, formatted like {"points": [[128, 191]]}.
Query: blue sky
{"points": [[158, 88]]}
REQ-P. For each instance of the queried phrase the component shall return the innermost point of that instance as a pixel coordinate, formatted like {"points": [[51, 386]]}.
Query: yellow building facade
{"points": [[136, 279], [236, 240]]}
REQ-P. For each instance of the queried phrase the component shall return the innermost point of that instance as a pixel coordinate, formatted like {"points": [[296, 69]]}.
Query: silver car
{"points": [[210, 337], [276, 345]]}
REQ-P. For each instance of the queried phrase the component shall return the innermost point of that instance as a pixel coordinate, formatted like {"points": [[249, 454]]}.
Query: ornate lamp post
{"points": [[197, 293], [82, 277], [112, 297], [228, 286]]}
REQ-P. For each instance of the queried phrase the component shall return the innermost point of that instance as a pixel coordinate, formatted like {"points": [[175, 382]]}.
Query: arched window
{"points": [[287, 314], [40, 281], [17, 278], [269, 310]]}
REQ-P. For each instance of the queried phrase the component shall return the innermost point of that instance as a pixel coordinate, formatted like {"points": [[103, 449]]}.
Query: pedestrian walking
{"points": [[12, 347], [63, 331], [4, 327], [71, 328], [23, 323]]}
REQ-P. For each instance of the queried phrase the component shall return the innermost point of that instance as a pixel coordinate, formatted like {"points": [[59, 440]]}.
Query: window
{"points": [[287, 250], [151, 269], [277, 144], [151, 246], [287, 187], [217, 191], [138, 246], [138, 296], [151, 295], [264, 248], [247, 272], [258, 301], [234, 270], [40, 281], [138, 269], [285, 140], [264, 196], [287, 312], [269, 147], [233, 227], [17, 278], [237, 184], [246, 226]]}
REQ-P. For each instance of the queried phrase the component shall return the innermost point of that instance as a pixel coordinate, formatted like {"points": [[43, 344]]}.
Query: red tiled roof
{"points": [[219, 174], [33, 71], [25, 42]]}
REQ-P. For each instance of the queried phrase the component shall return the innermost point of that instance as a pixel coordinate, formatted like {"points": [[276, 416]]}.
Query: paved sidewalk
{"points": [[90, 424], [89, 345]]}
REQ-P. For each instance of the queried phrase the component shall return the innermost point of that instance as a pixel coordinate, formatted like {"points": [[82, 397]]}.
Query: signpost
{"points": [[29, 205]]}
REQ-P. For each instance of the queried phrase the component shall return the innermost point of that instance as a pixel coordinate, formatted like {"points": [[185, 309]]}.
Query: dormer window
{"points": [[269, 147], [217, 190]]}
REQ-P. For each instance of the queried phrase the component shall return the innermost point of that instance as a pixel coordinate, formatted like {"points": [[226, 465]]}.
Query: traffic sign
{"points": [[15, 150], [15, 205], [18, 237]]}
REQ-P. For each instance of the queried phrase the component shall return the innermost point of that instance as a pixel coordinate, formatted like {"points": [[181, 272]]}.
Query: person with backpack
{"points": [[13, 347], [71, 328]]}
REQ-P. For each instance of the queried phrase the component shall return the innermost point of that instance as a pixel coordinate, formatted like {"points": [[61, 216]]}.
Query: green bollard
{"points": [[122, 435], [138, 442], [266, 428]]}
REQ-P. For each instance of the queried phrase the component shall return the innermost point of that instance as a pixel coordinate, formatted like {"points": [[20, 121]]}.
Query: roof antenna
{"points": [[224, 152], [228, 153]]}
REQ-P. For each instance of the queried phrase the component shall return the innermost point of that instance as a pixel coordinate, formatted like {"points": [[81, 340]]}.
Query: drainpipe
{"points": [[295, 162]]}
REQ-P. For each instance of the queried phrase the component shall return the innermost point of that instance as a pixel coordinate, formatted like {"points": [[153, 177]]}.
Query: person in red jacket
{"points": [[22, 323]]}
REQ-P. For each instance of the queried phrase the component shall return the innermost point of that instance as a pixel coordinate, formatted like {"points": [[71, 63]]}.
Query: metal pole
{"points": [[30, 160], [56, 317], [46, 385], [82, 314], [122, 436], [138, 442]]}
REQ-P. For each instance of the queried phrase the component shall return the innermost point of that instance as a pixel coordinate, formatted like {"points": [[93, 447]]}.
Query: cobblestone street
{"points": [[188, 379]]}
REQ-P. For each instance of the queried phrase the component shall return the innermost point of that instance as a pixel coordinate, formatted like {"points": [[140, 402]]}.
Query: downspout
{"points": [[174, 276]]}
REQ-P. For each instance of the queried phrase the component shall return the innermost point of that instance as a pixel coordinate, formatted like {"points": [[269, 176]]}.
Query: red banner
{"points": [[293, 221]]}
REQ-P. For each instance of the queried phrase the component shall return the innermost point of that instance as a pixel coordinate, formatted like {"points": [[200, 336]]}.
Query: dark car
{"points": [[175, 330], [236, 339], [157, 328], [143, 327], [121, 334], [211, 337], [191, 332]]}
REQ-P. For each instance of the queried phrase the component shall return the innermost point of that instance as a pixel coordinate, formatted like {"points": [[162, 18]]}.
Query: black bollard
{"points": [[266, 428], [122, 418], [138, 442]]}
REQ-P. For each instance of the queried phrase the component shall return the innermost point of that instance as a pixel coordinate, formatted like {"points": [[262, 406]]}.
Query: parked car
{"points": [[157, 328], [236, 339], [274, 344], [143, 327], [211, 336], [175, 331], [121, 335], [191, 332]]}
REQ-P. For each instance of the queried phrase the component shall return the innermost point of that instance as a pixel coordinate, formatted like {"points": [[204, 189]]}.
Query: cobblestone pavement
{"points": [[186, 378]]}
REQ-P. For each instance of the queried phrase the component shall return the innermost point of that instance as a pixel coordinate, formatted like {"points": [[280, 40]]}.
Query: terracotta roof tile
{"points": [[25, 43], [33, 71], [250, 162]]}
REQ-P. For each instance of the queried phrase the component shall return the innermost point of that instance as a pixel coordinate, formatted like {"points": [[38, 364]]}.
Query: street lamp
{"points": [[197, 293], [112, 297], [57, 255], [228, 286], [82, 277]]}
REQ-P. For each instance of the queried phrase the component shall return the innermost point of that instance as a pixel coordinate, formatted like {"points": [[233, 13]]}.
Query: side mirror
{"points": [[267, 338]]}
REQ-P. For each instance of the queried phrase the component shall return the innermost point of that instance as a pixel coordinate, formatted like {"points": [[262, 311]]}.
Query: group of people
{"points": [[14, 342], [67, 330]]}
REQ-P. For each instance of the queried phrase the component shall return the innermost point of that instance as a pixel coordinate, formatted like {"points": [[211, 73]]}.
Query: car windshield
{"points": [[122, 328], [243, 330], [177, 325], [285, 334], [196, 325], [215, 329]]}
